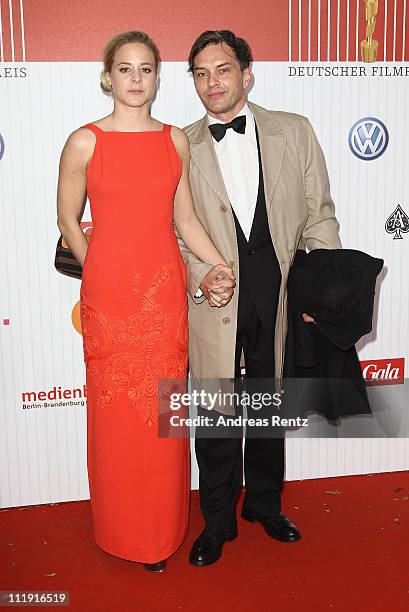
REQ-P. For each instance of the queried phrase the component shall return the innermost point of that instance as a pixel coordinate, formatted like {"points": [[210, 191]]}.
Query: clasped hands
{"points": [[218, 285], [218, 288]]}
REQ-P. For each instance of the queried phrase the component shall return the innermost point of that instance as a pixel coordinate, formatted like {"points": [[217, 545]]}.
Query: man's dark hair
{"points": [[240, 47]]}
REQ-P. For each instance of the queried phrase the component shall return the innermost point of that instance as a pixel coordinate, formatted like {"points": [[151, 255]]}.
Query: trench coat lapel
{"points": [[272, 147], [203, 154]]}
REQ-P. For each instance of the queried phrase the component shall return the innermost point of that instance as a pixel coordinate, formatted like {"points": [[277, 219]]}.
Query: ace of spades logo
{"points": [[398, 222]]}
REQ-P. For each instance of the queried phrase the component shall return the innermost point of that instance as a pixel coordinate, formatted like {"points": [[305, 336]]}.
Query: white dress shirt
{"points": [[238, 160]]}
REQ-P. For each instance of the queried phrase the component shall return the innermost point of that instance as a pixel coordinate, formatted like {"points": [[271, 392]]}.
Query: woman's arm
{"points": [[72, 190], [192, 233], [188, 225]]}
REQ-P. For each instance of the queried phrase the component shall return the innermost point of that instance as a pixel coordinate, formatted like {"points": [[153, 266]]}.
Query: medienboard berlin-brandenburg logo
{"points": [[368, 138], [1, 146]]}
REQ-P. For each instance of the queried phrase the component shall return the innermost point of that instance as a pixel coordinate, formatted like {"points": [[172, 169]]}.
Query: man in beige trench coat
{"points": [[261, 190]]}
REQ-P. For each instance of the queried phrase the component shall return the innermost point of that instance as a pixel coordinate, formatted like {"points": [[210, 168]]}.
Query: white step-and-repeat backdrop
{"points": [[308, 61]]}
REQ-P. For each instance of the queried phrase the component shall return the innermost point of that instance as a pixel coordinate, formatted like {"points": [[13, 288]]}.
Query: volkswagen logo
{"points": [[1, 146], [368, 138]]}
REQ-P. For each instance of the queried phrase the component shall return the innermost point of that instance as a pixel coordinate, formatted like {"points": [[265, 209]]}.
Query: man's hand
{"points": [[218, 285], [307, 318]]}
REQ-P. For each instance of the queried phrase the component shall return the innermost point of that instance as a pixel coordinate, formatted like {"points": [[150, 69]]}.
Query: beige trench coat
{"points": [[300, 213]]}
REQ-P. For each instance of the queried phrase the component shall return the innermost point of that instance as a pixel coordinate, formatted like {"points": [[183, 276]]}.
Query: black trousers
{"points": [[220, 460]]}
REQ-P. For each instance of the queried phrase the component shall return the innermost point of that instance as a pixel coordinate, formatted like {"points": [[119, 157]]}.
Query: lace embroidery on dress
{"points": [[129, 356]]}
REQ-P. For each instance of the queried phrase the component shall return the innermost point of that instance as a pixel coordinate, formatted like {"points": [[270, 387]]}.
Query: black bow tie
{"points": [[218, 130]]}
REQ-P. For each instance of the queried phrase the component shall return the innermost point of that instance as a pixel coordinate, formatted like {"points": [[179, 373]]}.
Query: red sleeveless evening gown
{"points": [[134, 325]]}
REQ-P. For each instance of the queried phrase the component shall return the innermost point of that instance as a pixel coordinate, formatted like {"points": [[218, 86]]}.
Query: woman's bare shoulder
{"points": [[179, 134], [180, 141], [80, 143]]}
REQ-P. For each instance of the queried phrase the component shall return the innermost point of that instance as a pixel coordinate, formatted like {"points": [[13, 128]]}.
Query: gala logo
{"points": [[384, 371]]}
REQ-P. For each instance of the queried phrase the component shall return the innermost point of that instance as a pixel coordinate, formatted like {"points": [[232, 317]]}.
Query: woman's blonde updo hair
{"points": [[116, 43]]}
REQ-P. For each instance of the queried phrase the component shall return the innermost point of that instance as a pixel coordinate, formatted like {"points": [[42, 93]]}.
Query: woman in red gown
{"points": [[134, 170]]}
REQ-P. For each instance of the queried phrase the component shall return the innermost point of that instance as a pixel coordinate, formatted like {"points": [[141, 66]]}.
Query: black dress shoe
{"points": [[277, 526], [155, 567], [208, 548]]}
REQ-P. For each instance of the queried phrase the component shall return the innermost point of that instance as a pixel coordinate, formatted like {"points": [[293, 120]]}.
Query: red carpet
{"points": [[353, 556]]}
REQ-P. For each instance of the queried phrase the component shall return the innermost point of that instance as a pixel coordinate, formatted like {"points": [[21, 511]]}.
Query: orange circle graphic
{"points": [[75, 318]]}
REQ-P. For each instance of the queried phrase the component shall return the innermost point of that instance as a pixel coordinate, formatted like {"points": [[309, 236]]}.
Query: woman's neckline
{"points": [[127, 132]]}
